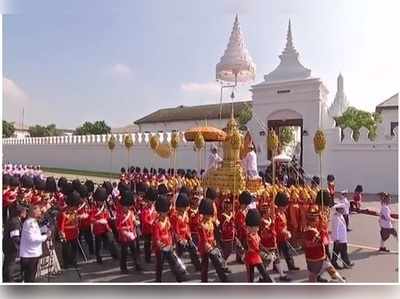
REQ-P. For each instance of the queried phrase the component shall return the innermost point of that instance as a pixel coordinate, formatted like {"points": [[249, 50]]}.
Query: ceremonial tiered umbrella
{"points": [[210, 134], [201, 135], [236, 65]]}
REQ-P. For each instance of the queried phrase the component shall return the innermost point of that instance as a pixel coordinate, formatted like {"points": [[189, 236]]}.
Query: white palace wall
{"points": [[374, 164]]}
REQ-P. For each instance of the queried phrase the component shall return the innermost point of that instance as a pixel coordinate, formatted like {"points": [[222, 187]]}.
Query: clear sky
{"points": [[71, 61]]}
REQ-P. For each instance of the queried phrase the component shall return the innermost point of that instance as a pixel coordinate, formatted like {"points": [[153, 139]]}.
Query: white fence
{"points": [[374, 164]]}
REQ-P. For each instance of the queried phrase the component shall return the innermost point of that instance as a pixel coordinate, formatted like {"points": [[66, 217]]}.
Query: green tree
{"points": [[43, 131], [286, 135], [354, 119], [8, 129], [96, 128], [244, 117]]}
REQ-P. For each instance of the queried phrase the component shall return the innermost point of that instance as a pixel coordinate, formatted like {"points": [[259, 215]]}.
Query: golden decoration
{"points": [[112, 142], [319, 141], [210, 134], [154, 142], [272, 141], [199, 141], [128, 141], [164, 151], [174, 140]]}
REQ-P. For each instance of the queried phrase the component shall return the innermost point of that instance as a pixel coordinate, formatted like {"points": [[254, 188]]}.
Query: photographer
{"points": [[31, 244], [11, 242]]}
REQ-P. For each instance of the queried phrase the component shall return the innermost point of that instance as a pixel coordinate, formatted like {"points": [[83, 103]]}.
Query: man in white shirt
{"points": [[339, 237], [213, 158], [343, 200], [385, 221], [251, 164], [31, 244]]}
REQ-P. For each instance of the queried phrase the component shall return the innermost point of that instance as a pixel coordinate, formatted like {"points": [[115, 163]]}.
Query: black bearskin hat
{"points": [[206, 207], [145, 170], [211, 193], [122, 187], [100, 194], [324, 198], [51, 185], [245, 198], [141, 187], [151, 194], [127, 198], [330, 178], [108, 186], [73, 199], [315, 180], [83, 191], [27, 181], [162, 204], [61, 181], [162, 189], [90, 186], [359, 188], [76, 184], [40, 185], [281, 199], [185, 190], [36, 181], [253, 218], [182, 201], [14, 181], [123, 170], [6, 179], [67, 188]]}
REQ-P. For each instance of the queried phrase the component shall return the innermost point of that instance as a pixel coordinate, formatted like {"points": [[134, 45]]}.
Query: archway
{"points": [[287, 118]]}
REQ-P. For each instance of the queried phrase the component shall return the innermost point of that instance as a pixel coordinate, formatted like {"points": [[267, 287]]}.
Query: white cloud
{"points": [[15, 99], [121, 70]]}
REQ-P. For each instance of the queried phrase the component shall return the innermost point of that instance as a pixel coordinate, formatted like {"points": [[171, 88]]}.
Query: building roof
{"points": [[183, 113], [389, 104], [126, 129]]}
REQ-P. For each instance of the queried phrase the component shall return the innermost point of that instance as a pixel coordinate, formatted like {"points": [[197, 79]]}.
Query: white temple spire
{"points": [[289, 39], [340, 103], [290, 67]]}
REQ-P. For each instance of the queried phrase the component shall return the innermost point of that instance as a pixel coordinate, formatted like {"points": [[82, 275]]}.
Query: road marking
{"points": [[369, 248]]}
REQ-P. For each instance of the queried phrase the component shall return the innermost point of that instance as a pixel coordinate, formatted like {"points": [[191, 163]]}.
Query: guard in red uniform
{"points": [[10, 192], [245, 199], [207, 245], [69, 230], [147, 216], [252, 256], [282, 233], [331, 185], [162, 242], [126, 225], [100, 216], [269, 246], [228, 230], [181, 228], [194, 216], [85, 225], [314, 249]]}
